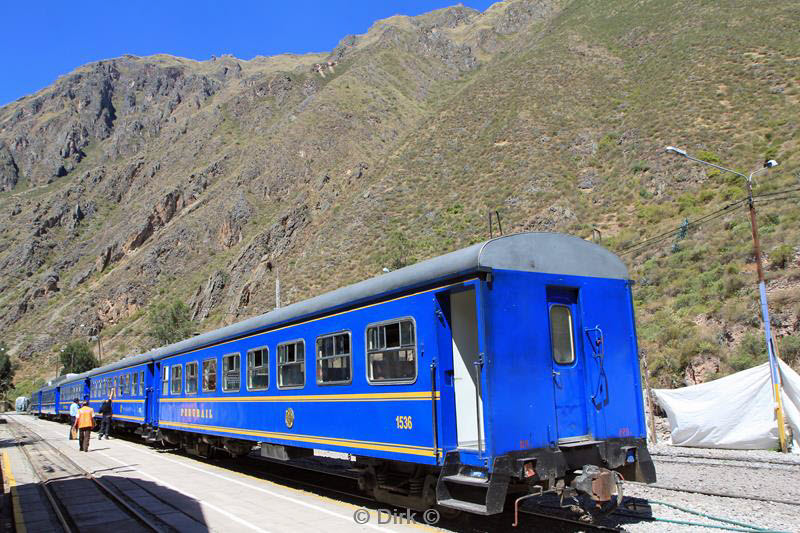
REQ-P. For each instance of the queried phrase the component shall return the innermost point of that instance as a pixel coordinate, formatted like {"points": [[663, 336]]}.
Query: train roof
{"points": [[56, 381], [552, 253]]}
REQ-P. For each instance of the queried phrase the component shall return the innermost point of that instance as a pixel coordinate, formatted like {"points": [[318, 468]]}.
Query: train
{"points": [[509, 367]]}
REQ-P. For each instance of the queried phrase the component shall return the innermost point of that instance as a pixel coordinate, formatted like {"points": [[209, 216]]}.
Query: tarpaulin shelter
{"points": [[735, 412]]}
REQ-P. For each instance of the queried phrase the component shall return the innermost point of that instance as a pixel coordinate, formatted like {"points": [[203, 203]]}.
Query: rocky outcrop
{"points": [[124, 100], [9, 172], [230, 231], [206, 299], [121, 303]]}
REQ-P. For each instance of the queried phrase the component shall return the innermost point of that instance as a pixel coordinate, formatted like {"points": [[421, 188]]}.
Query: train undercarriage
{"points": [[585, 474]]}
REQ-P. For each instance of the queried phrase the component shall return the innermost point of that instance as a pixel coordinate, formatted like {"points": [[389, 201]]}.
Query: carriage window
{"points": [[209, 375], [230, 372], [292, 364], [164, 381], [258, 369], [334, 358], [135, 389], [191, 378], [177, 379], [118, 386], [562, 341], [127, 384], [392, 352], [141, 383]]}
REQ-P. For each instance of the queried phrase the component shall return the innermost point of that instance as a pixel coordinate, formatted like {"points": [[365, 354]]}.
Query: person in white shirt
{"points": [[73, 412]]}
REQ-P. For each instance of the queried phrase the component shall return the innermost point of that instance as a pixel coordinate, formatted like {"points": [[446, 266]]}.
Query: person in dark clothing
{"points": [[105, 411]]}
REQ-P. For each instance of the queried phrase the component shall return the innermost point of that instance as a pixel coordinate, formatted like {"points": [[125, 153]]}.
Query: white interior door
{"points": [[469, 406]]}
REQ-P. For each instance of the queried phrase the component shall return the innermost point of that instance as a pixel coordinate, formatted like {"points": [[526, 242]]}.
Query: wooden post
{"points": [[651, 420]]}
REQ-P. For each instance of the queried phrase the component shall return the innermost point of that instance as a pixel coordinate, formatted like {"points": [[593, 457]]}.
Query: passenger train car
{"points": [[507, 366]]}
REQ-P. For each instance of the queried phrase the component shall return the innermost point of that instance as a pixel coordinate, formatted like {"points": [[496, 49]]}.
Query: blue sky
{"points": [[43, 39]]}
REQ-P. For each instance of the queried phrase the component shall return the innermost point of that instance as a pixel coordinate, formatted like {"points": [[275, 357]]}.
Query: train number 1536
{"points": [[403, 422]]}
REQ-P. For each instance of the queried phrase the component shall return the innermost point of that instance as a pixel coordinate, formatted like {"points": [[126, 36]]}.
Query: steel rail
{"points": [[717, 494], [111, 494], [740, 459]]}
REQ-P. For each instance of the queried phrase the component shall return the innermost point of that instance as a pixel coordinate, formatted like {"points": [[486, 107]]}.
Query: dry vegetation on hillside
{"points": [[138, 180]]}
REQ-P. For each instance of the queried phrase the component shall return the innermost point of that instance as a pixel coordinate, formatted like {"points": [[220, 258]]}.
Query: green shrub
{"points": [[781, 256], [789, 349], [752, 351]]}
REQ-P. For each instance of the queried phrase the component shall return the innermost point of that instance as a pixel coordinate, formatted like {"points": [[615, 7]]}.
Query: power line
{"points": [[763, 198], [671, 233]]}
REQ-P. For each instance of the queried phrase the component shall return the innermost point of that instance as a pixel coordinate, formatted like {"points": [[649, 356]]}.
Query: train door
{"points": [[467, 369], [568, 364], [151, 394]]}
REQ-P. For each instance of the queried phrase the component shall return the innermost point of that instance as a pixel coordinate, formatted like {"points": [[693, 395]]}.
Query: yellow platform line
{"points": [[19, 522]]}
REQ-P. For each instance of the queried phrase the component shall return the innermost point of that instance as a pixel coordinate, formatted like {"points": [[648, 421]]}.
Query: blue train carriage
{"points": [[508, 365], [49, 398], [73, 387], [36, 403], [127, 381]]}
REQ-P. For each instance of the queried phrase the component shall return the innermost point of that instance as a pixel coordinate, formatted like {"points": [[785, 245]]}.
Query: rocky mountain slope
{"points": [[134, 180]]}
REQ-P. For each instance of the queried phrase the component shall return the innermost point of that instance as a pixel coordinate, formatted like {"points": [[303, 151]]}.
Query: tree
{"points": [[77, 357], [6, 371], [169, 322]]}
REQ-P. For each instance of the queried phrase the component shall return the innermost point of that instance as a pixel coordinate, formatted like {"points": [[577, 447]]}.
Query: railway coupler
{"points": [[601, 485]]}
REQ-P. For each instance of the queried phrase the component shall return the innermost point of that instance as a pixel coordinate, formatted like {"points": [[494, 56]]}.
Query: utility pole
{"points": [[762, 287]]}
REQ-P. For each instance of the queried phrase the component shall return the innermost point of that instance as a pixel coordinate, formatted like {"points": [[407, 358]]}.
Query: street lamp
{"points": [[762, 288]]}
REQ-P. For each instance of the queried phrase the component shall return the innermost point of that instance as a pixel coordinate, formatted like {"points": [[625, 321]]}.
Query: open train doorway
{"points": [[466, 371]]}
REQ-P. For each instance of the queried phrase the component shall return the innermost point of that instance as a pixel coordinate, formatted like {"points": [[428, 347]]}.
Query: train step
{"points": [[467, 480], [471, 489], [470, 507]]}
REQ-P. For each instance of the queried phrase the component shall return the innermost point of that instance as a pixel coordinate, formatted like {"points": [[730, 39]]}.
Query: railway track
{"points": [[80, 501], [738, 459], [721, 494]]}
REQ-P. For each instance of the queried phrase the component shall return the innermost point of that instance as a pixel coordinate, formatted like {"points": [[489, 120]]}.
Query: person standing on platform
{"points": [[85, 423], [73, 412], [106, 410]]}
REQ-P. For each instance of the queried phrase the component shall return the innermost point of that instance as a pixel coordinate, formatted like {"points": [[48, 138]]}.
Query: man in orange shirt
{"points": [[85, 423]]}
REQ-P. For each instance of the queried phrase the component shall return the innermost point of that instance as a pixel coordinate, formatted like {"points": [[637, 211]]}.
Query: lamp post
{"points": [[762, 288]]}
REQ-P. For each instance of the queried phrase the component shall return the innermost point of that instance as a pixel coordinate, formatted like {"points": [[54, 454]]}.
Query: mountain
{"points": [[141, 179]]}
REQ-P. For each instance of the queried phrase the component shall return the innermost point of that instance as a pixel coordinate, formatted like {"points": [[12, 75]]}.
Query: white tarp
{"points": [[735, 412]]}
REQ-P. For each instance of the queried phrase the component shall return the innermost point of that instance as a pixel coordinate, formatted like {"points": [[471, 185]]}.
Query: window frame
{"points": [[278, 365], [202, 380], [165, 376], [196, 378], [173, 382], [142, 390], [572, 339], [266, 364], [135, 384], [416, 352], [239, 387], [317, 357]]}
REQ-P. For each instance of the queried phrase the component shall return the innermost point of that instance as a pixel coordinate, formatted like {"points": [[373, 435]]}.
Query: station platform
{"points": [[187, 494]]}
